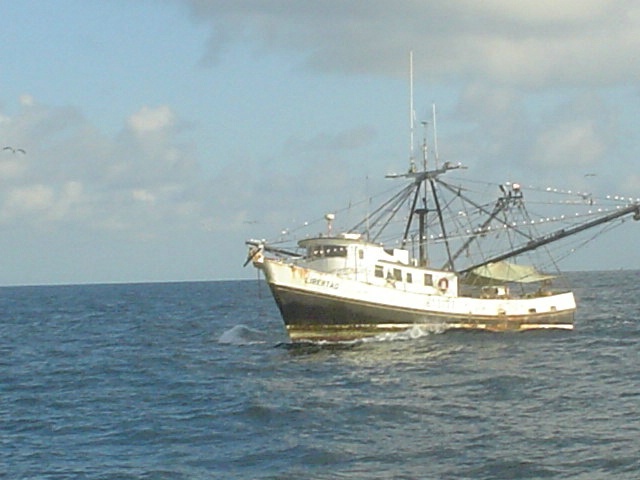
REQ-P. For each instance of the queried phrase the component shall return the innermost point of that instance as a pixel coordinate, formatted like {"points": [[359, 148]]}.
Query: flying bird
{"points": [[15, 150]]}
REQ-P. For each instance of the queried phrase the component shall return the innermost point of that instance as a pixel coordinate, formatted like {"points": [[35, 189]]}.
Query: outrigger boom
{"points": [[559, 235]]}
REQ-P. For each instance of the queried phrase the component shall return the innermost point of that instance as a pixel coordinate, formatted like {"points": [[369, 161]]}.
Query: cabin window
{"points": [[379, 271], [360, 254], [336, 252], [397, 274], [327, 251], [409, 277], [428, 280]]}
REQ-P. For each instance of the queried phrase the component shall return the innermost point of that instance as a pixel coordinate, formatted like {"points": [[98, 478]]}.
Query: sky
{"points": [[160, 134]]}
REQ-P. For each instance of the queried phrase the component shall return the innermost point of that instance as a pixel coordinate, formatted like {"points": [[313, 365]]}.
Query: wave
{"points": [[242, 335]]}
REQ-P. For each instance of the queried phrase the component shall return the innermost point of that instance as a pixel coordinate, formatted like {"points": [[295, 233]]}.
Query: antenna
{"points": [[412, 162], [425, 146], [435, 136]]}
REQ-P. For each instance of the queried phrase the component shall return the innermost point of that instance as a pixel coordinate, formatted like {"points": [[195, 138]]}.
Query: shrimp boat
{"points": [[449, 261], [351, 285]]}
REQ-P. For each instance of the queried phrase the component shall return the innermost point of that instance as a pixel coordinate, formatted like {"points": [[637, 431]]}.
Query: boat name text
{"points": [[322, 283]]}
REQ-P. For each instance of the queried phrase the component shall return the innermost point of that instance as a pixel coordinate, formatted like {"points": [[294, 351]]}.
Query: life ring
{"points": [[443, 284]]}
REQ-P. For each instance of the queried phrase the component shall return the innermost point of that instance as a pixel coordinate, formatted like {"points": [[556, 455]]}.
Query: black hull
{"points": [[313, 317]]}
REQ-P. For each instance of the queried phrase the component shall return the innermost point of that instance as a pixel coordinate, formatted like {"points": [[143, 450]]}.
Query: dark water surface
{"points": [[193, 381]]}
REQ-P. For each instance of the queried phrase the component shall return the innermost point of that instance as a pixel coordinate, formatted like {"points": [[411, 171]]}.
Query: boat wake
{"points": [[413, 333], [242, 335]]}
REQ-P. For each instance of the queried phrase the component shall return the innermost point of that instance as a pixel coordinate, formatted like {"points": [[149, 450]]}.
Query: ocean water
{"points": [[197, 381]]}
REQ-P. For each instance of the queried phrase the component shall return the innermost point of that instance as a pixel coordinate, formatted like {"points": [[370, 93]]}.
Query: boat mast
{"points": [[412, 160], [422, 211], [423, 180]]}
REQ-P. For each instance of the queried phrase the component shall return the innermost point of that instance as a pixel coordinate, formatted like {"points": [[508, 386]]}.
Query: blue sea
{"points": [[197, 381]]}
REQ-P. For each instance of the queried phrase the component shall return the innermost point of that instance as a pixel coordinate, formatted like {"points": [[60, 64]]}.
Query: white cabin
{"points": [[351, 256]]}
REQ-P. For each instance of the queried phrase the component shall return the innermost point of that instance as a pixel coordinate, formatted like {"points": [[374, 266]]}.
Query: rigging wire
{"points": [[459, 224]]}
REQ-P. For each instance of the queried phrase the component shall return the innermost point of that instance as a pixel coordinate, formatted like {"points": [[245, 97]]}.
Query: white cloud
{"points": [[149, 119], [11, 168], [28, 199], [524, 43], [542, 11], [141, 182], [574, 144], [27, 100], [143, 195]]}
